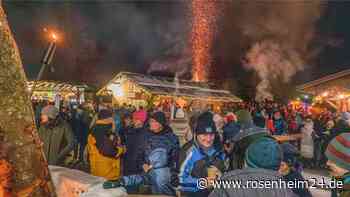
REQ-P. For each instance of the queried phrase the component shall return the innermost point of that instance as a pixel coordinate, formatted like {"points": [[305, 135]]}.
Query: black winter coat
{"points": [[135, 141]]}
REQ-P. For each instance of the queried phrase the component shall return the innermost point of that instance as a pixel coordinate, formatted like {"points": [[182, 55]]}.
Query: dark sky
{"points": [[100, 38]]}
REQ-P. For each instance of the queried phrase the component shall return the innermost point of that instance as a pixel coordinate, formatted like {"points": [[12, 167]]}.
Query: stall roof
{"points": [[171, 87], [55, 86], [325, 79]]}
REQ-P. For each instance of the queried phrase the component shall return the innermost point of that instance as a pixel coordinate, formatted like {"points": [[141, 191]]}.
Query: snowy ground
{"points": [[74, 183]]}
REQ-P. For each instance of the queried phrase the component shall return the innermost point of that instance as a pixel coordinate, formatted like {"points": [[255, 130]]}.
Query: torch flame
{"points": [[50, 34], [54, 37]]}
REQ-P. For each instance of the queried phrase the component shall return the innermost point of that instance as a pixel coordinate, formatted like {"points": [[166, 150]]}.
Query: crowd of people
{"points": [[137, 149]]}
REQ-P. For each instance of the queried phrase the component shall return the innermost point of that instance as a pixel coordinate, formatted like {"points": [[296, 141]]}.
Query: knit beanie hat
{"points": [[230, 117], [160, 118], [338, 150], [264, 153], [50, 111], [140, 115], [205, 124], [104, 114]]}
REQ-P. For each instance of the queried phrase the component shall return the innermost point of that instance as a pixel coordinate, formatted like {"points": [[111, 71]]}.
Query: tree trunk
{"points": [[21, 156]]}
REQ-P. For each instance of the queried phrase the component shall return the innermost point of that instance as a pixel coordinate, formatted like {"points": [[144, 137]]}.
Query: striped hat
{"points": [[338, 151]]}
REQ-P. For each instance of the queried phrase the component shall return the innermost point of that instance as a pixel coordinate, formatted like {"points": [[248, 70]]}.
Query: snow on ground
{"points": [[75, 183]]}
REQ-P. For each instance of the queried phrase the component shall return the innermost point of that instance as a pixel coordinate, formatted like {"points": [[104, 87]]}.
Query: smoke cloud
{"points": [[99, 38], [280, 35]]}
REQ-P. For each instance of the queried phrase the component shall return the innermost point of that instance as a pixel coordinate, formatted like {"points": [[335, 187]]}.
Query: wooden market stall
{"points": [[332, 89], [147, 90], [52, 90]]}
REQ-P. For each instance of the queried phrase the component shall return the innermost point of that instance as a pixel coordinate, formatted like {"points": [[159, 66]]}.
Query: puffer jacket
{"points": [[104, 154], [58, 141], [160, 151], [135, 142], [195, 166], [250, 174], [166, 140]]}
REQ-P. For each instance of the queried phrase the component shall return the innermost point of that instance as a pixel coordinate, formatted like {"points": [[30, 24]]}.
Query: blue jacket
{"points": [[187, 179], [166, 140], [117, 122], [161, 152], [280, 126]]}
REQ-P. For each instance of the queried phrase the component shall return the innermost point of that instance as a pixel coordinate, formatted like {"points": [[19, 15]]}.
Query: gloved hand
{"points": [[113, 184], [174, 180]]}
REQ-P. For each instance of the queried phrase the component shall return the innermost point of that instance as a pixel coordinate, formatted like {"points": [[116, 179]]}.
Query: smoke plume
{"points": [[280, 35]]}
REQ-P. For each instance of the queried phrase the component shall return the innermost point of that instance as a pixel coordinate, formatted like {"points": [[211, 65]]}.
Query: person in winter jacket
{"points": [[244, 119], [160, 155], [117, 122], [290, 169], [279, 124], [259, 118], [104, 148], [342, 125], [56, 135], [202, 156], [262, 160], [338, 154], [231, 128], [307, 143], [84, 120], [292, 124], [135, 141], [249, 133], [126, 124]]}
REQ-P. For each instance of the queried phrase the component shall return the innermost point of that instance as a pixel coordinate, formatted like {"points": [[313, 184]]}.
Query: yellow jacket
{"points": [[103, 166]]}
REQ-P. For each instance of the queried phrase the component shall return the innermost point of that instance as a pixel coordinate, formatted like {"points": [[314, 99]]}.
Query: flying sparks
{"points": [[203, 25]]}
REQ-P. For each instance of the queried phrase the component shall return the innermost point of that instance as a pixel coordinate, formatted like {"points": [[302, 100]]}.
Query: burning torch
{"points": [[48, 56]]}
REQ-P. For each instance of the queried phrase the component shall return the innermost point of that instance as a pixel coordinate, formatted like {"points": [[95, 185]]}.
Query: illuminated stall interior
{"points": [[333, 89], [50, 90], [146, 90]]}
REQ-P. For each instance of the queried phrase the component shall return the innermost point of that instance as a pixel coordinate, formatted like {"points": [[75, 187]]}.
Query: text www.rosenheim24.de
{"points": [[312, 183]]}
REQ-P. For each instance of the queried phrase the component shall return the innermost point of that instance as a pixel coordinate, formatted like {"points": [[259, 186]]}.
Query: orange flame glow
{"points": [[54, 36], [51, 34]]}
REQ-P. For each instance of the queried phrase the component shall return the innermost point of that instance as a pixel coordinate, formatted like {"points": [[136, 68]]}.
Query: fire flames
{"points": [[203, 21]]}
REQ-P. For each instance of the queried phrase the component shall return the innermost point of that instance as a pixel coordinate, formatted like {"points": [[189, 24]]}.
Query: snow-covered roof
{"points": [[55, 86], [325, 79], [171, 86]]}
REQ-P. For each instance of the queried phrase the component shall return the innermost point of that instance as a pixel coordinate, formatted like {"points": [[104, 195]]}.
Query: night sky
{"points": [[100, 38]]}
